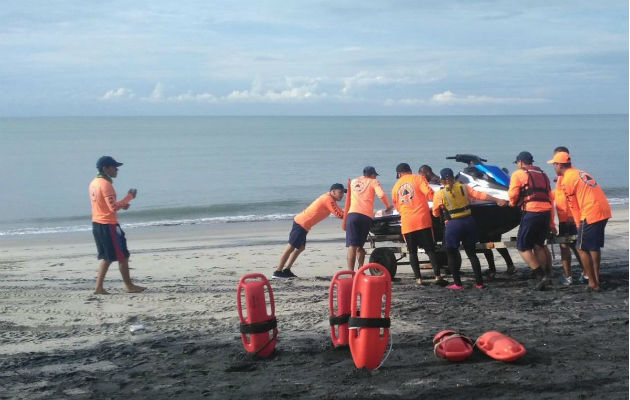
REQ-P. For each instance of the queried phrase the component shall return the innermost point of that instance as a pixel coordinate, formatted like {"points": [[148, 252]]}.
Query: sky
{"points": [[258, 57]]}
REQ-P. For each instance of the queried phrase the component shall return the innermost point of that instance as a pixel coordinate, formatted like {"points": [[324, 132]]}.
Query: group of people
{"points": [[580, 204], [577, 197]]}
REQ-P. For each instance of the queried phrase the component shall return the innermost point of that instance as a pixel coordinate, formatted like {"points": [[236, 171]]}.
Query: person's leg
{"points": [[474, 262], [352, 257], [293, 256], [412, 249], [284, 257], [123, 266], [587, 264], [360, 256], [490, 260], [508, 259], [565, 257], [454, 264], [100, 278], [596, 257]]}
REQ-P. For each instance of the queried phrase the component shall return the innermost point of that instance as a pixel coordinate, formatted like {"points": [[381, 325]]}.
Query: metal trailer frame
{"points": [[386, 255]]}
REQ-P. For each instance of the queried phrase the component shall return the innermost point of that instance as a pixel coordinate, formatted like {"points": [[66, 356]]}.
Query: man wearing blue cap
{"points": [[111, 243]]}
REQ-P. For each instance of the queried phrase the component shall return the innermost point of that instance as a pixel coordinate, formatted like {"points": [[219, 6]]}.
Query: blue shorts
{"points": [[533, 230], [297, 237], [565, 228], [357, 229], [462, 230], [111, 244], [591, 236]]}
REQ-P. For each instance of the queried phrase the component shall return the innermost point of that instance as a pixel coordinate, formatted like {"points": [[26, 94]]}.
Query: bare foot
{"points": [[135, 289], [100, 291], [419, 281]]}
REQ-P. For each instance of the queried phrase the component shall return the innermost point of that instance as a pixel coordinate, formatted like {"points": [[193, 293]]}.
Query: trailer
{"points": [[390, 250]]}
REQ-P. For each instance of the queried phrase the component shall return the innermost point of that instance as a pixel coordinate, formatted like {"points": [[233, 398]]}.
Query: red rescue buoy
{"points": [[452, 346], [339, 316], [500, 347], [373, 295], [259, 330]]}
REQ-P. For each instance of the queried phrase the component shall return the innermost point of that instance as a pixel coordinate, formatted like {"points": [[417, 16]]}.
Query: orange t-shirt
{"points": [[518, 180], [586, 198], [318, 210], [410, 196], [362, 197], [438, 199], [560, 200], [104, 205]]}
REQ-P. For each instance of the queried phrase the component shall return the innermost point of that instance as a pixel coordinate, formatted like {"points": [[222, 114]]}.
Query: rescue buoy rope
{"points": [[391, 344]]}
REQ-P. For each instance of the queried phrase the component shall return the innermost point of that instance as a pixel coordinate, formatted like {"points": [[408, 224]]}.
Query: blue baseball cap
{"points": [[369, 170], [107, 161]]}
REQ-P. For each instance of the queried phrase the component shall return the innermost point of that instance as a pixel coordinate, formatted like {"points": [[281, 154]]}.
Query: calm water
{"points": [[220, 169]]}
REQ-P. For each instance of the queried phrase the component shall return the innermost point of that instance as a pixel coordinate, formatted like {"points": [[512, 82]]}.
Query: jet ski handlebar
{"points": [[467, 158]]}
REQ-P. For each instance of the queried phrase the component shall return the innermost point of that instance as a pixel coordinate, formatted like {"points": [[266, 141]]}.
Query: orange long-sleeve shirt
{"points": [[586, 198], [362, 197], [104, 204], [562, 205], [317, 211], [411, 195]]}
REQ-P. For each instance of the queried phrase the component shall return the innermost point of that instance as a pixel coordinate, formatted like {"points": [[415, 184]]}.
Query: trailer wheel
{"points": [[386, 258]]}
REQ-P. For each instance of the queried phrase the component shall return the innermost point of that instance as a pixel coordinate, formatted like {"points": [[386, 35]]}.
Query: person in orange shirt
{"points": [[361, 213], [317, 211], [452, 202], [566, 224], [589, 205], [111, 243], [411, 195], [531, 190]]}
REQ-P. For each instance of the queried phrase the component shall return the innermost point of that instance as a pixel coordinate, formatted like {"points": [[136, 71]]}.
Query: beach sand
{"points": [[58, 340]]}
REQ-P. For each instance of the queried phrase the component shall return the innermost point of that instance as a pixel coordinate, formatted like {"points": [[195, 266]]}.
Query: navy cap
{"points": [[446, 173], [369, 170], [338, 186], [525, 156], [107, 161]]}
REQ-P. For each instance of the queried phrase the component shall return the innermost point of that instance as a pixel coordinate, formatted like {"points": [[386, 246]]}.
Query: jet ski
{"points": [[492, 220]]}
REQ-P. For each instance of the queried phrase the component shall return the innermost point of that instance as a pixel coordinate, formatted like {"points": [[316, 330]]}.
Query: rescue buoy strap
{"points": [[357, 322], [339, 319], [259, 327]]}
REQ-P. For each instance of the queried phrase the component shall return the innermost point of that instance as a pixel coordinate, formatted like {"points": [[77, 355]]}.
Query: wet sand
{"points": [[58, 340]]}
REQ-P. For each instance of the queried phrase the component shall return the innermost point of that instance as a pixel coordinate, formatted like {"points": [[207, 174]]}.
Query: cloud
{"points": [[120, 93], [448, 98], [364, 80], [298, 89]]}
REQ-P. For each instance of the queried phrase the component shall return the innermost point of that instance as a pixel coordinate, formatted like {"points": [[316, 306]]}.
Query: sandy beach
{"points": [[58, 340]]}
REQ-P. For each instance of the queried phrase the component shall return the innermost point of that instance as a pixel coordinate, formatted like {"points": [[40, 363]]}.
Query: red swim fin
{"points": [[452, 346], [500, 347]]}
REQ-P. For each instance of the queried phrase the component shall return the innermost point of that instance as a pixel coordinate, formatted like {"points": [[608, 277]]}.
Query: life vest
{"points": [[456, 201], [537, 187]]}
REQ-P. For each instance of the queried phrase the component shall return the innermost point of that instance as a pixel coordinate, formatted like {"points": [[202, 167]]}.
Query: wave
{"points": [[143, 224]]}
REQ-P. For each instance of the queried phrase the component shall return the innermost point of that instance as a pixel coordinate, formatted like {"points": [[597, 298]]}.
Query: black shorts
{"points": [[591, 236], [111, 243], [565, 228], [420, 239], [357, 229], [533, 230], [297, 237]]}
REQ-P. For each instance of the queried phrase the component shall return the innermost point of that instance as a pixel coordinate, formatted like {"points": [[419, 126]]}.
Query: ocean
{"points": [[213, 170]]}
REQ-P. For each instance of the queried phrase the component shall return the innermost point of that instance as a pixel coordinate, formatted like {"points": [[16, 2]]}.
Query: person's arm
{"points": [[334, 208], [484, 196], [110, 198], [514, 192], [395, 202], [437, 204], [425, 188], [378, 189]]}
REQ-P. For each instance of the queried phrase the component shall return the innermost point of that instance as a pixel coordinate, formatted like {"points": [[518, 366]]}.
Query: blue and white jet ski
{"points": [[492, 220]]}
